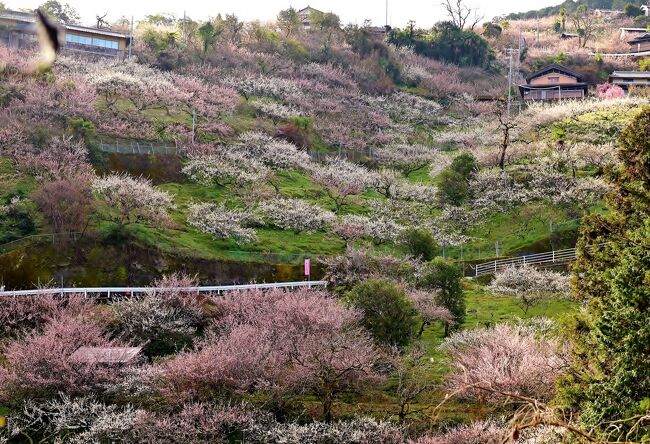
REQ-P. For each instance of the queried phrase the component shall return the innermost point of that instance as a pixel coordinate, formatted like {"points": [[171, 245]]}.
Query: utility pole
{"points": [[510, 51], [193, 124], [386, 14], [131, 38]]}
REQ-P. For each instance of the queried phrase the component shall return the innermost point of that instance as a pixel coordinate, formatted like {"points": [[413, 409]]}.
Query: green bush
{"points": [[633, 10], [446, 278], [454, 180], [420, 243], [445, 41], [81, 128], [387, 312]]}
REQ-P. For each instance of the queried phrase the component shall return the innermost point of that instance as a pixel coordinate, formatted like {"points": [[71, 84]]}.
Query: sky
{"points": [[424, 12]]}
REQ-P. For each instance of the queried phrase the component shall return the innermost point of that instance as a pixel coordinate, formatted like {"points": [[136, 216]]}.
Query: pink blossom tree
{"points": [[609, 91], [479, 432], [31, 313], [296, 342], [489, 364], [428, 308], [39, 365]]}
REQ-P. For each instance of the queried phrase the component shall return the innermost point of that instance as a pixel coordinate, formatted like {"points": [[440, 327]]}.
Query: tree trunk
{"points": [[402, 413], [424, 324], [327, 408]]}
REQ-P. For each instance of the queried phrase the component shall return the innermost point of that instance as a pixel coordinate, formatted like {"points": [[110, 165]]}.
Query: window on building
{"points": [[91, 41], [554, 79]]}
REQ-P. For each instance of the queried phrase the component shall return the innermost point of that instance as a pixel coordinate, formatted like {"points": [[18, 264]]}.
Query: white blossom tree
{"points": [[223, 223], [274, 153], [341, 179], [132, 199], [530, 285], [408, 158], [296, 214], [226, 167]]}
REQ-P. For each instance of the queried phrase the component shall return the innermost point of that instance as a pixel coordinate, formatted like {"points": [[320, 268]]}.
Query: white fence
{"points": [[548, 258], [108, 291]]}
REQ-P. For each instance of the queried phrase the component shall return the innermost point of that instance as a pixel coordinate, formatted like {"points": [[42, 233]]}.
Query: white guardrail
{"points": [[551, 257], [98, 291]]}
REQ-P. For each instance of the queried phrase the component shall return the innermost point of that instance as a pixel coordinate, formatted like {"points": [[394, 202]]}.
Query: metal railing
{"points": [[550, 257], [108, 291]]}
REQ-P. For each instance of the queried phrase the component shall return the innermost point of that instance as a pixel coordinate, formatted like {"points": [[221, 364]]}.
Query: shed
{"points": [[106, 355]]}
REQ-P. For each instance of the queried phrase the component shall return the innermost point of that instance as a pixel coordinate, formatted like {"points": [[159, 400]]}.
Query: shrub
{"points": [[65, 203], [419, 242], [445, 278], [387, 312], [454, 180]]}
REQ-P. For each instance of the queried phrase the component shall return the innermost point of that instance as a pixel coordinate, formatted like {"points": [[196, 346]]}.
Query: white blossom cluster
{"points": [[356, 431], [296, 214], [389, 183], [81, 420], [223, 223], [11, 206], [274, 153], [416, 192], [145, 318], [497, 191], [135, 198], [528, 281], [226, 166], [408, 158], [549, 183], [406, 107], [275, 110], [264, 86]]}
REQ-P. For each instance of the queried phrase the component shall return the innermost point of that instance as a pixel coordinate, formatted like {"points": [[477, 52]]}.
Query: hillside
{"points": [[229, 152]]}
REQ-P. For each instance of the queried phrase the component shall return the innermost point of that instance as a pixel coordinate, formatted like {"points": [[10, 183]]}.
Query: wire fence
{"points": [[137, 147], [27, 241]]}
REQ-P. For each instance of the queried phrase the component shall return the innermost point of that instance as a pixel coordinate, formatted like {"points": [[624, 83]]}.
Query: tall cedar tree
{"points": [[610, 377]]}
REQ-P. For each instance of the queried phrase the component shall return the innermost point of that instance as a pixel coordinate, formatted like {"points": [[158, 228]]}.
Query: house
{"points": [[640, 43], [305, 16], [608, 13], [106, 355], [625, 79], [378, 31], [553, 82], [631, 32], [569, 35], [18, 30]]}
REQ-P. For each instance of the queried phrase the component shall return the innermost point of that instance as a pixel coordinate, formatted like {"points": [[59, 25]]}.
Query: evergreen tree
{"points": [[610, 377]]}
